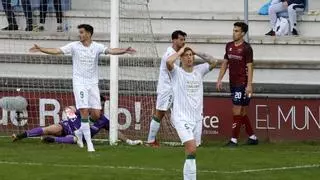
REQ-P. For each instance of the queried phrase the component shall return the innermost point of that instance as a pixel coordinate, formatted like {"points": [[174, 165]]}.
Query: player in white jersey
{"points": [[164, 88], [85, 54], [187, 85]]}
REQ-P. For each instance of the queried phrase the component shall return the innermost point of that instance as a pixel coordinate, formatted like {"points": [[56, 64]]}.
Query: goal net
{"points": [[45, 81]]}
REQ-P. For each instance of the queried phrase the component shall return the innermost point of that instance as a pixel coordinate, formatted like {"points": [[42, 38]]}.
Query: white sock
{"points": [[234, 140], [133, 142], [254, 137], [85, 128], [79, 136], [190, 169], [153, 131], [129, 141]]}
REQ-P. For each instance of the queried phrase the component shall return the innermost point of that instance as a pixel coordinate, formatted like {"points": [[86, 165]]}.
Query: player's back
{"points": [[164, 82], [238, 57]]}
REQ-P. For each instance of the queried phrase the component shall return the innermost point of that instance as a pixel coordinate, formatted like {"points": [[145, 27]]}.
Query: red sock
{"points": [[236, 125], [247, 123]]}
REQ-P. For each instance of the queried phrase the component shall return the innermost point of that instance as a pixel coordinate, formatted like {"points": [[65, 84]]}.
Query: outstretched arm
{"points": [[120, 51], [52, 51], [208, 58]]}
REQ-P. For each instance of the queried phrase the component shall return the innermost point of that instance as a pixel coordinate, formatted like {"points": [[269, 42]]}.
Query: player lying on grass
{"points": [[187, 85], [64, 131]]}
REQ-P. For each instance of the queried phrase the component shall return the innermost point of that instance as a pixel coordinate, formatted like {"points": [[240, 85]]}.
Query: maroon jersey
{"points": [[238, 57]]}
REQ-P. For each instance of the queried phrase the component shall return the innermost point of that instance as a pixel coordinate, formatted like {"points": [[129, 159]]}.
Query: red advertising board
{"points": [[273, 119]]}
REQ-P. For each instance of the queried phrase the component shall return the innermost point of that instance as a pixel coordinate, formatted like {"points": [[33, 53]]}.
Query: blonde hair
{"points": [[187, 49]]}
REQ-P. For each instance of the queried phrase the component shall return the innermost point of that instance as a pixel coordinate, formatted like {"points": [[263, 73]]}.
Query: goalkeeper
{"points": [[63, 132]]}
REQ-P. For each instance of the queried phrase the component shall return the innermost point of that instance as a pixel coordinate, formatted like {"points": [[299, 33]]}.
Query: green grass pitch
{"points": [[32, 160]]}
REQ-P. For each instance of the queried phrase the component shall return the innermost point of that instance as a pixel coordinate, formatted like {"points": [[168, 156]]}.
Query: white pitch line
{"points": [[82, 166], [162, 169], [308, 166]]}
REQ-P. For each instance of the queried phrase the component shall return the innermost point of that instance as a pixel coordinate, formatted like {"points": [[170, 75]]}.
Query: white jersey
{"points": [[164, 82], [188, 93], [84, 61]]}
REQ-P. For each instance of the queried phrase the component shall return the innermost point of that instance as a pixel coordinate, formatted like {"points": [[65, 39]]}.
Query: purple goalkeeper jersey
{"points": [[70, 125]]}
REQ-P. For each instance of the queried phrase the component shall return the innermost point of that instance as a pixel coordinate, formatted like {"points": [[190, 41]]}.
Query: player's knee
{"points": [[191, 151], [95, 117], [159, 115], [243, 112], [52, 129], [236, 111], [84, 113], [190, 147]]}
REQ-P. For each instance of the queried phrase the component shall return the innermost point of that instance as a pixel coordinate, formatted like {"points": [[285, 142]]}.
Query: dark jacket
{"points": [[296, 2]]}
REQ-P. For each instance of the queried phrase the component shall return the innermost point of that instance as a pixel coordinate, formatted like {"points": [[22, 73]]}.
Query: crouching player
{"points": [[64, 131], [187, 83]]}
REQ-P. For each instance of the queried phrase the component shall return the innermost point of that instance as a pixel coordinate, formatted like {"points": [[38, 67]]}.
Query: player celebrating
{"points": [[187, 85], [85, 54], [164, 89], [239, 59]]}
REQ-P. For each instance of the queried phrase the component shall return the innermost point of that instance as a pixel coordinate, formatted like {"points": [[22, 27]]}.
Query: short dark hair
{"points": [[244, 27], [86, 27], [175, 34]]}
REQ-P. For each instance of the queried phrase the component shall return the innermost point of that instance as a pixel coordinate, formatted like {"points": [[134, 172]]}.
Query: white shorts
{"points": [[164, 100], [87, 96], [187, 131]]}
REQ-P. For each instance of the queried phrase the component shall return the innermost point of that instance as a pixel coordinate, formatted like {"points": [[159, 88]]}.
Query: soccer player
{"points": [[186, 115], [85, 54], [164, 88], [64, 131], [239, 59]]}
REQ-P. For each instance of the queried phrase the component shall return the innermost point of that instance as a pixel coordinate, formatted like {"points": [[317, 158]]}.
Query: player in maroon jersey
{"points": [[239, 59]]}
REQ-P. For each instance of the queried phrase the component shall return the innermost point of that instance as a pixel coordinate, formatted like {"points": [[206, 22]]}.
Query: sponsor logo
{"points": [[211, 125]]}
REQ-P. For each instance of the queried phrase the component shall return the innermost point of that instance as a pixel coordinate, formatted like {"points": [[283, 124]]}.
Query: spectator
{"points": [[12, 23], [282, 6], [43, 14]]}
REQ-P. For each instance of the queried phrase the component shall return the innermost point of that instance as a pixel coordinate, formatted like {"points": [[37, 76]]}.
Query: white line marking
{"points": [[82, 166], [161, 169], [308, 166]]}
